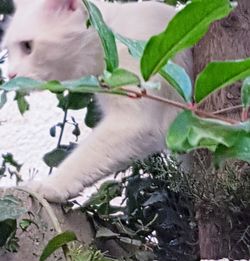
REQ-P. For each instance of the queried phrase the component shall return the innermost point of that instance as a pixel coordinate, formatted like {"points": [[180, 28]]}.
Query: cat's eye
{"points": [[27, 46]]}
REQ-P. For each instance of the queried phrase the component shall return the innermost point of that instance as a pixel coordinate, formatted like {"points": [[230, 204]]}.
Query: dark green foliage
{"points": [[22, 103], [155, 210], [6, 7], [73, 101], [159, 208], [8, 239], [11, 208], [10, 167], [150, 193], [3, 99], [100, 202], [175, 2], [57, 242], [57, 155]]}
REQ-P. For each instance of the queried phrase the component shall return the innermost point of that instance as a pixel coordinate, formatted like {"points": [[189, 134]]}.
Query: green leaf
{"points": [[21, 83], [56, 156], [155, 197], [217, 75], [245, 93], [57, 242], [106, 233], [185, 29], [87, 84], [173, 73], [11, 208], [120, 77], [107, 191], [7, 231], [9, 159], [76, 131], [190, 132], [89, 254], [106, 36], [73, 101], [3, 99], [171, 2], [52, 131], [179, 79], [135, 47], [22, 103], [25, 223], [240, 150]]}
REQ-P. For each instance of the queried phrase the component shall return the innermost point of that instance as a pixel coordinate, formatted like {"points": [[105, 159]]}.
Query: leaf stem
{"points": [[244, 114], [61, 133], [143, 93], [62, 128], [228, 109]]}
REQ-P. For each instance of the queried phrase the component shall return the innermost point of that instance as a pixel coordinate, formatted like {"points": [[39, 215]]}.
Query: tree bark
{"points": [[32, 240], [227, 39]]}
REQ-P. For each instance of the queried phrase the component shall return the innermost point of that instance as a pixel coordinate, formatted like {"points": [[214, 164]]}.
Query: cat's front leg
{"points": [[118, 140]]}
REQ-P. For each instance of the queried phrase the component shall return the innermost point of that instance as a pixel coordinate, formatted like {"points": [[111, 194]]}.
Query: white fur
{"points": [[65, 49]]}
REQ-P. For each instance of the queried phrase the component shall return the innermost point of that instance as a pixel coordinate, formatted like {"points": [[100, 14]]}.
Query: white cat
{"points": [[48, 39]]}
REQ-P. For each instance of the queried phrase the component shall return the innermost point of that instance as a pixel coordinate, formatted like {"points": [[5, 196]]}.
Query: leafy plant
{"points": [[155, 205], [156, 213], [215, 75], [11, 208], [6, 7], [10, 167], [57, 242]]}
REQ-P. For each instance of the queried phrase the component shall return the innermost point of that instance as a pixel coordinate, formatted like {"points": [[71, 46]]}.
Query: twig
{"points": [[244, 114], [228, 109], [61, 134], [140, 94], [51, 215], [62, 128]]}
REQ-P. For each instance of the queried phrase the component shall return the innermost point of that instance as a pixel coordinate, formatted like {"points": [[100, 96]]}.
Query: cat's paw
{"points": [[49, 191]]}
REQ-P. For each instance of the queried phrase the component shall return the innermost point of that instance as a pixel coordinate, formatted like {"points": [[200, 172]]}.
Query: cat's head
{"points": [[49, 40]]}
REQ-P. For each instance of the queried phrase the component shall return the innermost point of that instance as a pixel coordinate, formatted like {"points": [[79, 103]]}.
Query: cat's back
{"points": [[136, 20]]}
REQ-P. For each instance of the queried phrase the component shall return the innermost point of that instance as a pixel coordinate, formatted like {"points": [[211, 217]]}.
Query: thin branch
{"points": [[62, 128], [228, 109], [244, 114], [61, 134], [143, 93]]}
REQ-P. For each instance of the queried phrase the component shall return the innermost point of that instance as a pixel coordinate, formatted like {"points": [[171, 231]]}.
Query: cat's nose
{"points": [[11, 75]]}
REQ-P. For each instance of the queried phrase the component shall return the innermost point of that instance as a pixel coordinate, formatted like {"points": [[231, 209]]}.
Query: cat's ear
{"points": [[58, 5]]}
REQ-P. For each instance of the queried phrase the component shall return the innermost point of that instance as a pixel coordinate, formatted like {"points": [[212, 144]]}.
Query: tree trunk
{"points": [[227, 39]]}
